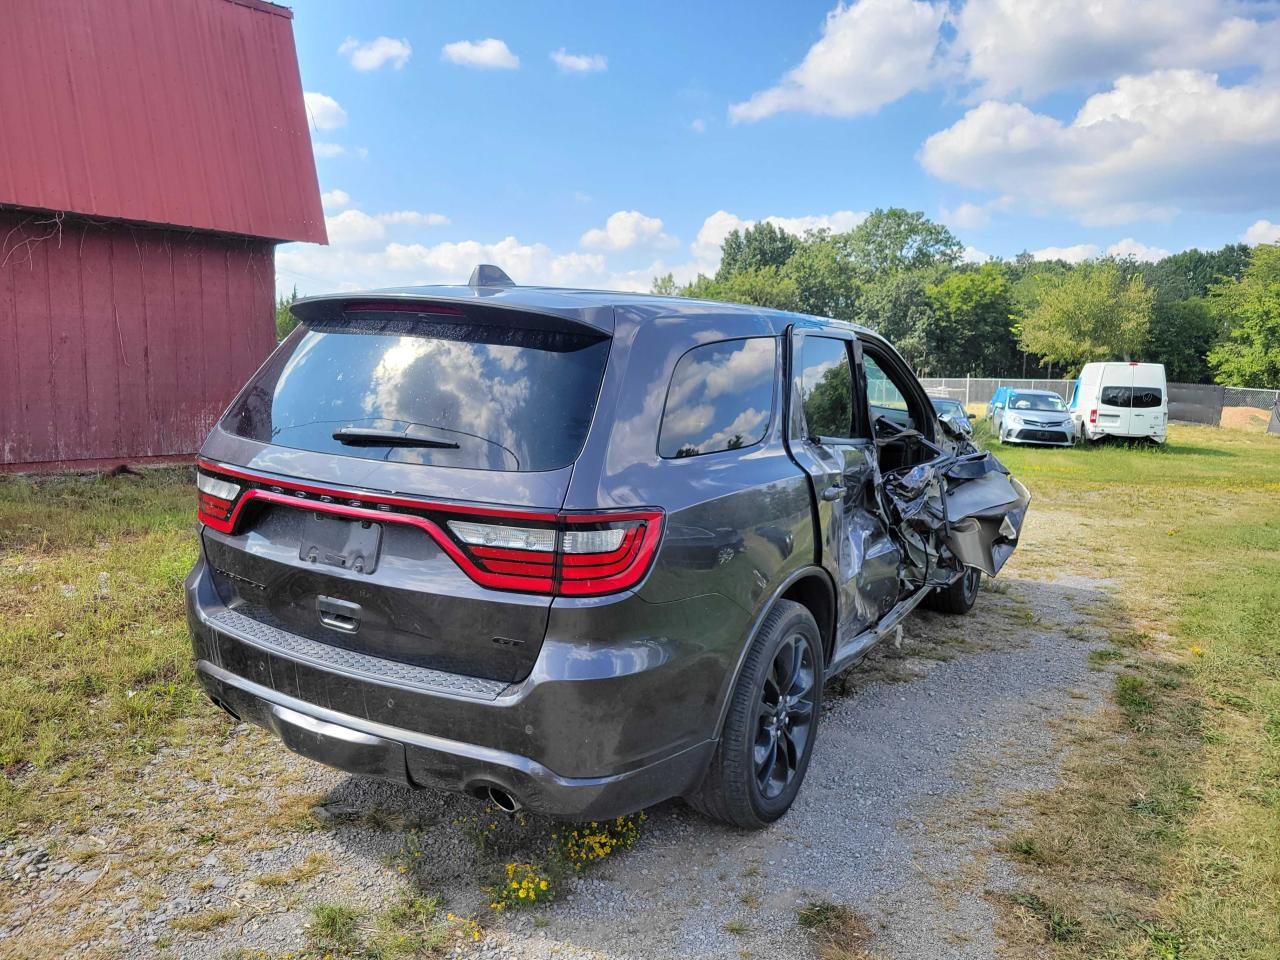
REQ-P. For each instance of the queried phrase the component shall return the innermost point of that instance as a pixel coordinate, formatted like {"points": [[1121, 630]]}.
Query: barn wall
{"points": [[120, 343], [187, 113]]}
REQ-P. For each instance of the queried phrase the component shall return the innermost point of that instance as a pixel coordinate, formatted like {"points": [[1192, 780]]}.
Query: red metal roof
{"points": [[187, 113]]}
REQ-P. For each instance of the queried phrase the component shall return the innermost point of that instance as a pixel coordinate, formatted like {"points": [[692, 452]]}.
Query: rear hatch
{"points": [[391, 481]]}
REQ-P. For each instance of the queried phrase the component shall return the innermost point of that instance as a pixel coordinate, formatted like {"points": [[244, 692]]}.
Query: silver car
{"points": [[1033, 416]]}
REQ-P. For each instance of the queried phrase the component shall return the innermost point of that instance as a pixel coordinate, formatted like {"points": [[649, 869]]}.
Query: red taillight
{"points": [[579, 555], [568, 554], [1093, 415], [215, 499]]}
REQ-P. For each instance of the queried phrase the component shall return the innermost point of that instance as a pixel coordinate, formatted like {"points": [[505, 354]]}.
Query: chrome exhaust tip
{"points": [[501, 799]]}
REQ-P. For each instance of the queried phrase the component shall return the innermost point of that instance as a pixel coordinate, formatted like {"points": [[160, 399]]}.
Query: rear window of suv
{"points": [[457, 394], [720, 398]]}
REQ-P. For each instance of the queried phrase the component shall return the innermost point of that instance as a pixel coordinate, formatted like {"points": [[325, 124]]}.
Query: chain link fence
{"points": [[1240, 407], [980, 390]]}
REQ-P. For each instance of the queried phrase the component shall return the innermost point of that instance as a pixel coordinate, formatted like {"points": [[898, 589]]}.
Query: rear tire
{"points": [[771, 726], [957, 598]]}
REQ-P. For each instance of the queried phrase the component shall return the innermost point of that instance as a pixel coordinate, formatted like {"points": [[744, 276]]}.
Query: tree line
{"points": [[1208, 316]]}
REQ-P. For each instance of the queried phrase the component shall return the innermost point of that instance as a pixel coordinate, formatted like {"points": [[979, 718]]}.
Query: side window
{"points": [[884, 399], [826, 387], [1114, 397], [721, 397]]}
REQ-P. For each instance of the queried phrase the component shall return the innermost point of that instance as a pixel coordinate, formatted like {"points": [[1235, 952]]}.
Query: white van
{"points": [[1121, 399]]}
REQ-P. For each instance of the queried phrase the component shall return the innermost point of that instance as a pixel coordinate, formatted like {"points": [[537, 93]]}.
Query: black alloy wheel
{"points": [[771, 725]]}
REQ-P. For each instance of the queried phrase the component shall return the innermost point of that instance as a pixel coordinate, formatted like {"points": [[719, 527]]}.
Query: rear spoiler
{"points": [[443, 308]]}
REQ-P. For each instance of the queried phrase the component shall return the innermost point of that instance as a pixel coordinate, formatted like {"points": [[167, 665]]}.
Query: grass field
{"points": [[1162, 841]]}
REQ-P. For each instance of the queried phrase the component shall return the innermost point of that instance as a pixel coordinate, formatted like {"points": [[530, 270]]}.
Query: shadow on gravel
{"points": [[918, 745]]}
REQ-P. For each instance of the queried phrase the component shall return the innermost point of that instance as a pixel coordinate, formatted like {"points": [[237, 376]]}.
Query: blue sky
{"points": [[602, 143]]}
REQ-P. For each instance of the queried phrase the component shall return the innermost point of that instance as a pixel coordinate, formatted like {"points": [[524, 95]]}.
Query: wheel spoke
{"points": [[772, 693], [802, 684], [801, 712], [780, 774], [764, 771], [761, 750], [789, 756]]}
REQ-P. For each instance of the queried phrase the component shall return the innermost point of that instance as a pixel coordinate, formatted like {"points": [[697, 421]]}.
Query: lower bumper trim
{"points": [[366, 748]]}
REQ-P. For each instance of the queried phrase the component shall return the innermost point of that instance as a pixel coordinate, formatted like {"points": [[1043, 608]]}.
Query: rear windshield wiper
{"points": [[367, 437]]}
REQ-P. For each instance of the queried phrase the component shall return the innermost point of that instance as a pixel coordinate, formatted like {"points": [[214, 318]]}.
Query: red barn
{"points": [[152, 153]]}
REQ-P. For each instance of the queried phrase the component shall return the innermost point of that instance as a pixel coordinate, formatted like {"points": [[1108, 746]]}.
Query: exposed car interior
{"points": [[896, 416]]}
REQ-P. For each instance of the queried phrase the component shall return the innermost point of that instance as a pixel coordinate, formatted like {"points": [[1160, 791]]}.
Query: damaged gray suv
{"points": [[574, 551]]}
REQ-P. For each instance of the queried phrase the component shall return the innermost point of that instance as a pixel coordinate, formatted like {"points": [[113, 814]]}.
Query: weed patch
{"points": [[837, 931]]}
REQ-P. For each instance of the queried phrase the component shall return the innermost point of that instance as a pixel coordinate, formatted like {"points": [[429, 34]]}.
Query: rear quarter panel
{"points": [[738, 523]]}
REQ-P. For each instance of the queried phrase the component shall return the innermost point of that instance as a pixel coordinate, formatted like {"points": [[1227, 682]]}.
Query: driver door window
{"points": [[826, 387], [884, 399]]}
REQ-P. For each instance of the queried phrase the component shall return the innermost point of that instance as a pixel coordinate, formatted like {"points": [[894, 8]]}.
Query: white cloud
{"points": [[579, 62], [974, 255], [1033, 47], [335, 199], [1075, 254], [372, 54], [626, 229], [345, 266], [353, 227], [1262, 231], [323, 149], [698, 125], [706, 247], [749, 423], [415, 217], [525, 263], [325, 112], [1143, 149], [1129, 247], [359, 256], [967, 216], [870, 54], [489, 54], [842, 221]]}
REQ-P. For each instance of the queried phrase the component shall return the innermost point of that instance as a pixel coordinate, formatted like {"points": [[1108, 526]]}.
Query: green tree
{"points": [[763, 245], [1249, 310], [1189, 274], [831, 398], [285, 321], [1182, 333], [826, 285], [897, 305], [893, 240], [971, 332], [762, 286], [665, 286], [1090, 313]]}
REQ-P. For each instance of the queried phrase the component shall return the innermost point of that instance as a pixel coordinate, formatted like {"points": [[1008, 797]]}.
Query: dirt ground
{"points": [[923, 753], [1245, 418]]}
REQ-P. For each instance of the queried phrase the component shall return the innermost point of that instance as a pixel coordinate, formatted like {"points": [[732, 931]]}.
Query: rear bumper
{"points": [[1096, 432], [599, 728], [402, 756]]}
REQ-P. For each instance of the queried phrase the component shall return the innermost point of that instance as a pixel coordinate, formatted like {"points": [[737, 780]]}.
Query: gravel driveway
{"points": [[922, 754]]}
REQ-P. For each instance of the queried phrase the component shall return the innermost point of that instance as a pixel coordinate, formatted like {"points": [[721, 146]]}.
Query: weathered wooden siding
{"points": [[120, 342], [186, 113]]}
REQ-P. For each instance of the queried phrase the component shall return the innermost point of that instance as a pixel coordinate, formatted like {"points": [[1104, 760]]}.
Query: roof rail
{"points": [[487, 275]]}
